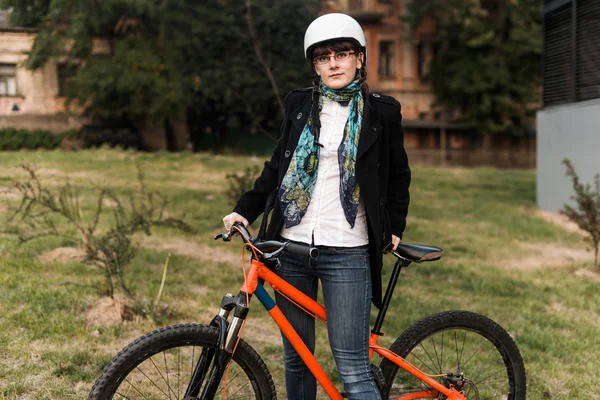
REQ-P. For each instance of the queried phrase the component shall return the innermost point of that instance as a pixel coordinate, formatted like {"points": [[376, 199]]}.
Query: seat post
{"points": [[401, 263]]}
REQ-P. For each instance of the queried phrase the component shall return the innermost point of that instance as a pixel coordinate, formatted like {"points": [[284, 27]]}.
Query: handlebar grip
{"points": [[303, 250]]}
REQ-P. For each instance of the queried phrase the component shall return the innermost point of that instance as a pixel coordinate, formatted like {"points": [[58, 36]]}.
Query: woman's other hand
{"points": [[232, 218], [395, 241]]}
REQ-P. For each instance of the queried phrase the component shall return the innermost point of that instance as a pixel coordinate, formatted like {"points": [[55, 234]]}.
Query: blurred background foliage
{"points": [[168, 60], [487, 64]]}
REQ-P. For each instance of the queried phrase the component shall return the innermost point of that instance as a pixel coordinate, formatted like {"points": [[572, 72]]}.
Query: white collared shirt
{"points": [[324, 219]]}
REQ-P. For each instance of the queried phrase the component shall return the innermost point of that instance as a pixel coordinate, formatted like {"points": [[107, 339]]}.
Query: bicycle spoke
{"points": [[422, 362], [122, 395], [426, 352], [462, 350], [246, 384], [488, 377], [135, 388], [442, 353], [152, 382], [482, 370], [228, 380], [178, 371], [162, 376], [436, 355], [167, 373], [475, 352]]}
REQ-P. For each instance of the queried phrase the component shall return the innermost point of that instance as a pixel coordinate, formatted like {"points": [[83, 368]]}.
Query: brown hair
{"points": [[337, 46]]}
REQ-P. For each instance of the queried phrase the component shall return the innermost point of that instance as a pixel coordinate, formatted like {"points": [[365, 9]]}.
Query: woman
{"points": [[338, 179]]}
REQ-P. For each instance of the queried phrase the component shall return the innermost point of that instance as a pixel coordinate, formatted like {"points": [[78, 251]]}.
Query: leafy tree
{"points": [[26, 13], [487, 59], [586, 214], [227, 63]]}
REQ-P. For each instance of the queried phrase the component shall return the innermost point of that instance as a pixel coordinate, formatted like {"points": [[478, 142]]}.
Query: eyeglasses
{"points": [[341, 56]]}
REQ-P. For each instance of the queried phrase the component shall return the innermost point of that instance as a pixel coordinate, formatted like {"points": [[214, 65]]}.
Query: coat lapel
{"points": [[370, 129]]}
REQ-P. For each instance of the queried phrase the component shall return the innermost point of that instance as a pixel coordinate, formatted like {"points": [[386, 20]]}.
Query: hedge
{"points": [[17, 139]]}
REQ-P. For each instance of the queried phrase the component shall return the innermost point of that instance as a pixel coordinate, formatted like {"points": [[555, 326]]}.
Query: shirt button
{"points": [[287, 154], [376, 95], [299, 116]]}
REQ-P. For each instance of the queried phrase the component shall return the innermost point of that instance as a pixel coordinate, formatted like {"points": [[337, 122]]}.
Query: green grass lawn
{"points": [[502, 259]]}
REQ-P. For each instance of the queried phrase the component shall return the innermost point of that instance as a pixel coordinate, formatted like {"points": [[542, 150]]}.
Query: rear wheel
{"points": [[464, 349], [160, 365]]}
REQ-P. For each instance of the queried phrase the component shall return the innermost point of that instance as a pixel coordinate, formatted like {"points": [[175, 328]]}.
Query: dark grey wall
{"points": [[568, 131]]}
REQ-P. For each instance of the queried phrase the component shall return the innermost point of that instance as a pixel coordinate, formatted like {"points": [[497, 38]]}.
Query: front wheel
{"points": [[459, 348], [160, 365]]}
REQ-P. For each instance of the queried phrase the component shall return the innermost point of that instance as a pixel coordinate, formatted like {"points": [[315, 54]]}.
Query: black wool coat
{"points": [[382, 173]]}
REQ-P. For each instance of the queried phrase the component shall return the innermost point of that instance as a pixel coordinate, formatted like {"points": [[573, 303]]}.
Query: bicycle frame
{"points": [[260, 273]]}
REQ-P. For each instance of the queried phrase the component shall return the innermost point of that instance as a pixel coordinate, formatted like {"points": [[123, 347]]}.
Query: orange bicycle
{"points": [[452, 355]]}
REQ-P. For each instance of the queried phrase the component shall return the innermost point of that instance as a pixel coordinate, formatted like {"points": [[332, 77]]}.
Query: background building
{"points": [[29, 99], [569, 124]]}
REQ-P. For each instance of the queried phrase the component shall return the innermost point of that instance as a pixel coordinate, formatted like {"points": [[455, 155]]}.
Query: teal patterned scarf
{"points": [[299, 181]]}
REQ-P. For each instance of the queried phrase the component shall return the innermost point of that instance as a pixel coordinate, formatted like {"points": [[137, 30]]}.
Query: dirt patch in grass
{"points": [[260, 329], [63, 255], [588, 274], [191, 249], [106, 311], [8, 193], [543, 255], [560, 220], [200, 177]]}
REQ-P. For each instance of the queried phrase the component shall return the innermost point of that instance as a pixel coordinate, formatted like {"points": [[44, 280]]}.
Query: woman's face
{"points": [[336, 73]]}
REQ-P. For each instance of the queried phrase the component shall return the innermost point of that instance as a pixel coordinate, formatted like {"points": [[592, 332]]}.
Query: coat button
{"points": [[381, 202], [287, 154], [376, 95], [377, 165], [299, 116], [374, 129]]}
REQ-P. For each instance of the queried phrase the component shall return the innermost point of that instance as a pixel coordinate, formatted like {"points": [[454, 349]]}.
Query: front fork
{"points": [[226, 341]]}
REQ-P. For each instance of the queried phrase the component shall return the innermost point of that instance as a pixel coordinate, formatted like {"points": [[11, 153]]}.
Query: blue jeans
{"points": [[346, 281]]}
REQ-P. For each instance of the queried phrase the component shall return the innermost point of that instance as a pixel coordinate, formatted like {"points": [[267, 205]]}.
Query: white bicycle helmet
{"points": [[333, 26]]}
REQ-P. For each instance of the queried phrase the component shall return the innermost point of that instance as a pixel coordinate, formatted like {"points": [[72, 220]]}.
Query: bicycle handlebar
{"points": [[270, 248]]}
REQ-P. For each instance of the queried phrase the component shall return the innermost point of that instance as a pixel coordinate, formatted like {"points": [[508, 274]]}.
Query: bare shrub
{"points": [[586, 213], [42, 212]]}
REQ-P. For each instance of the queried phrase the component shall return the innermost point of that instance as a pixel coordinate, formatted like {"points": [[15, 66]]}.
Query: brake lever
{"points": [[225, 236], [275, 254]]}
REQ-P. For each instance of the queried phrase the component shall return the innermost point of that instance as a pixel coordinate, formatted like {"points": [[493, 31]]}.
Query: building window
{"points": [[386, 59], [571, 54], [8, 80], [424, 54], [65, 72]]}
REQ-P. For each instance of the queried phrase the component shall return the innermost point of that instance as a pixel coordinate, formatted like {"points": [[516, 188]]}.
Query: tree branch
{"points": [[255, 43]]}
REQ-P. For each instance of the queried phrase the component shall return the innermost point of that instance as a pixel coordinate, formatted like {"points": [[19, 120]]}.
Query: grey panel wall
{"points": [[569, 131]]}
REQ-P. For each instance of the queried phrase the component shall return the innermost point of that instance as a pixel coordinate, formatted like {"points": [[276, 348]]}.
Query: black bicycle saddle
{"points": [[419, 253]]}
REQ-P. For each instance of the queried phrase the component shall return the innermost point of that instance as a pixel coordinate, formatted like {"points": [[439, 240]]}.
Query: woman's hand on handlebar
{"points": [[395, 241], [232, 218]]}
